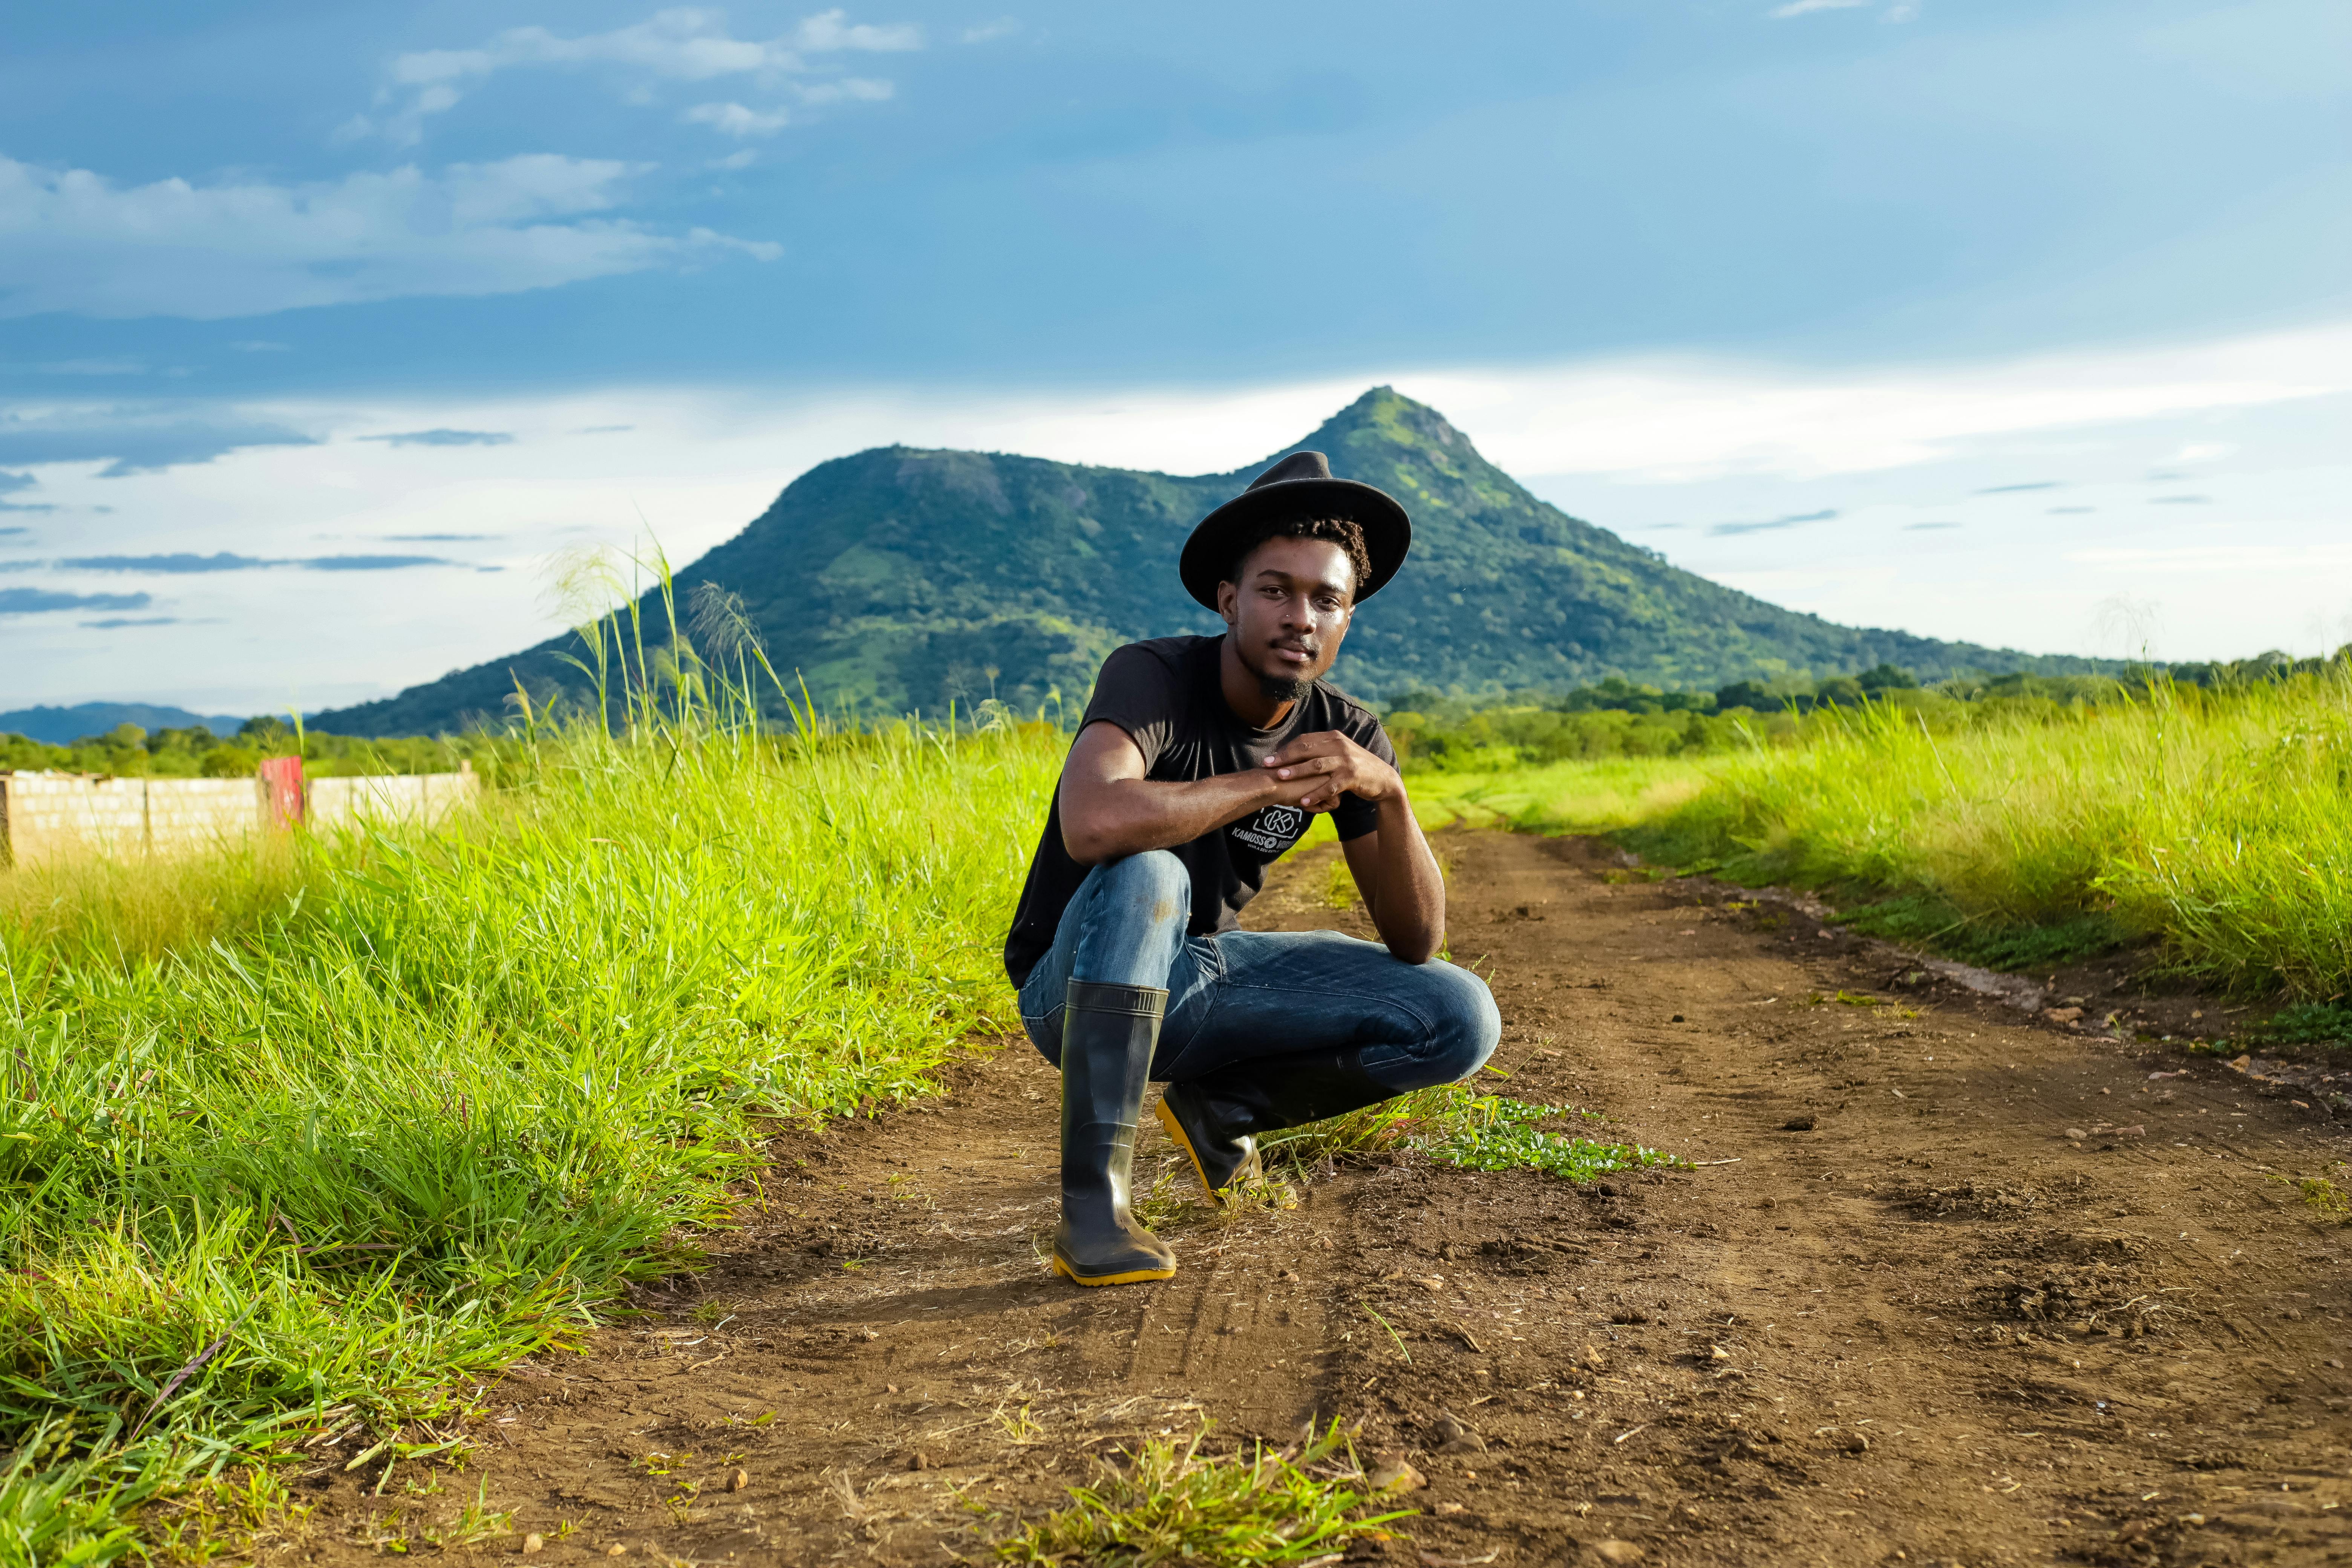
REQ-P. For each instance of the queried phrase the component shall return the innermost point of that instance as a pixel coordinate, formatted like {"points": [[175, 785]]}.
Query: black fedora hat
{"points": [[1299, 485]]}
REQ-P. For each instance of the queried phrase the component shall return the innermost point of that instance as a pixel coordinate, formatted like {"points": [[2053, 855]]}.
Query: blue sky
{"points": [[319, 327]]}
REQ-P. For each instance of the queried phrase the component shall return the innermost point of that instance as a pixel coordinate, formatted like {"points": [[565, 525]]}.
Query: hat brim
{"points": [[1388, 532]]}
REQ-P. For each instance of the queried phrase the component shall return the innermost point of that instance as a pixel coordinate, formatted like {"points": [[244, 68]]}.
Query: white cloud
{"points": [[734, 119], [436, 66], [686, 44], [826, 31], [72, 240], [1666, 421], [682, 45], [2276, 560], [742, 159], [987, 31], [1805, 8], [853, 89]]}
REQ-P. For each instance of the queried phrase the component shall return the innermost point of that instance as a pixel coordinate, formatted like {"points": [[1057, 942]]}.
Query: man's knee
{"points": [[1463, 1023], [1153, 884]]}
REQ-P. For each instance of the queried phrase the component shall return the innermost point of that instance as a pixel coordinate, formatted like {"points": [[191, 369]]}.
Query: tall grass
{"points": [[410, 1103], [1602, 796], [107, 911], [2215, 824], [1596, 796]]}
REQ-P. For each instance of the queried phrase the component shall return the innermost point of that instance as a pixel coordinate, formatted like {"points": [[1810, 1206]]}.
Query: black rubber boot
{"points": [[1216, 1119], [1108, 1033]]}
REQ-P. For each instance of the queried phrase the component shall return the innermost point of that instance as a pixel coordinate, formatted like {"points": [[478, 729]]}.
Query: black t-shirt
{"points": [[1167, 695]]}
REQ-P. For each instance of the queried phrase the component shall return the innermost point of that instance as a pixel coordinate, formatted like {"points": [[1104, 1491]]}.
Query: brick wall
{"points": [[385, 797], [44, 815], [194, 813]]}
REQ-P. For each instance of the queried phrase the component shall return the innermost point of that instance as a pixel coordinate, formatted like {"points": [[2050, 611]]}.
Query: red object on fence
{"points": [[282, 776]]}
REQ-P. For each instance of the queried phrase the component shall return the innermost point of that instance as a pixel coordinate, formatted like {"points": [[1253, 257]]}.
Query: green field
{"points": [[308, 1134], [1602, 796], [2214, 825], [2015, 824], [363, 1117]]}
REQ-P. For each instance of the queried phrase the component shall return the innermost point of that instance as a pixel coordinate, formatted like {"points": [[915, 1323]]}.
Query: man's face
{"points": [[1289, 611]]}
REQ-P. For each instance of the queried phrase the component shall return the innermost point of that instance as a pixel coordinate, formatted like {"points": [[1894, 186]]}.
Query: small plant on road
{"points": [[1018, 1425], [1455, 1125], [1388, 1128], [1171, 1504], [2323, 1194], [475, 1522], [1513, 1145]]}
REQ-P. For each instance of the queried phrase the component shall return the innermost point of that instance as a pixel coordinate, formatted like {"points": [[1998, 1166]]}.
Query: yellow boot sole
{"points": [[1130, 1276]]}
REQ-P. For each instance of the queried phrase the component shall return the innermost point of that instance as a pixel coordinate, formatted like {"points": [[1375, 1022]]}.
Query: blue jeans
{"points": [[1247, 996]]}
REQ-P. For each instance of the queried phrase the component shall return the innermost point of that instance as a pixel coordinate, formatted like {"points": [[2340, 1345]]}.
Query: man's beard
{"points": [[1283, 688]]}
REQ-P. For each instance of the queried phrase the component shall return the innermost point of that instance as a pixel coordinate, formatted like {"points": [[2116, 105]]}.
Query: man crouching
{"points": [[1200, 760]]}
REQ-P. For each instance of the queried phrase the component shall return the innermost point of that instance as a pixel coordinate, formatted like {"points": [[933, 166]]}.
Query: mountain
{"points": [[63, 726], [901, 578]]}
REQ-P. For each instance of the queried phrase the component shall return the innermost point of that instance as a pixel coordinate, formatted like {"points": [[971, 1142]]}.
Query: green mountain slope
{"points": [[900, 578]]}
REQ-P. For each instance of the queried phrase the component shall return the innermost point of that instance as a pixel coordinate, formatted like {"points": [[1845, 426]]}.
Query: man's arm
{"points": [[1393, 868], [1109, 809], [1401, 885]]}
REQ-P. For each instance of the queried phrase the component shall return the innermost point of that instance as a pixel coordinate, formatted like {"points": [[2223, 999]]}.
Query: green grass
{"points": [[1598, 796], [305, 1134], [1452, 1124], [1929, 921], [1504, 1139], [2304, 1024], [1455, 1125], [1601, 796], [2322, 1196], [302, 1135], [2215, 825], [1171, 1504]]}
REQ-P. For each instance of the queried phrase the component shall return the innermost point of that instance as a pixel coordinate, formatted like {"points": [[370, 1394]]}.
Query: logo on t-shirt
{"points": [[1272, 830]]}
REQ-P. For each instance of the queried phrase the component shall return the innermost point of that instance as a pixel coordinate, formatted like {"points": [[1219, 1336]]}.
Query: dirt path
{"points": [[2008, 1299]]}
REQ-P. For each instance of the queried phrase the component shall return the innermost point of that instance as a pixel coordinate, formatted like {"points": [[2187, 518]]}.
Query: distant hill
{"points": [[901, 578], [63, 726]]}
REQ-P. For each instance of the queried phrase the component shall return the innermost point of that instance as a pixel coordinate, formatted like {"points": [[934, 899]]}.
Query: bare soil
{"points": [[1949, 1283]]}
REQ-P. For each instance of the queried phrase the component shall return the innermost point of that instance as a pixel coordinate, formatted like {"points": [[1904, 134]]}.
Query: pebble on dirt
{"points": [[1454, 1438], [1798, 1124], [739, 1481], [1615, 1550], [1392, 1474], [532, 1542]]}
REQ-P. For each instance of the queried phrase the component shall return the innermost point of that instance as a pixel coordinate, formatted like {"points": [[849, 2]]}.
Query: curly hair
{"points": [[1343, 531]]}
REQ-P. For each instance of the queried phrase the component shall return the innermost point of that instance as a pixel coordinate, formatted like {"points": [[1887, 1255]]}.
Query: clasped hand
{"points": [[1314, 771]]}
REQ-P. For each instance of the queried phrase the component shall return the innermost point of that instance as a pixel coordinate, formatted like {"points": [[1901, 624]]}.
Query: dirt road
{"points": [[2010, 1299]]}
